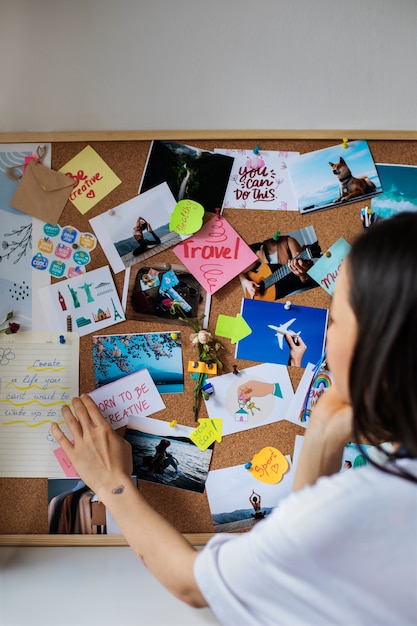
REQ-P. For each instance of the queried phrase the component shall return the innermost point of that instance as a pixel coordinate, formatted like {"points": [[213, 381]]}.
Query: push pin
{"points": [[276, 236], [61, 339], [287, 305], [173, 423], [345, 142], [256, 149], [208, 388], [235, 370], [217, 213], [112, 212], [328, 254], [248, 465]]}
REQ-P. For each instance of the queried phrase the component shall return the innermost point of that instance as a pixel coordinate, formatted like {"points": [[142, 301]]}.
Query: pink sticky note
{"points": [[65, 463], [215, 254]]}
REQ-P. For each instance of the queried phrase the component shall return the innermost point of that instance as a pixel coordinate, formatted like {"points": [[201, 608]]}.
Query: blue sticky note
{"points": [[326, 269]]}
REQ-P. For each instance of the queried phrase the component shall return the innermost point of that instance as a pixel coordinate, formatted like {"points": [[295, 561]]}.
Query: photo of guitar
{"points": [[273, 284]]}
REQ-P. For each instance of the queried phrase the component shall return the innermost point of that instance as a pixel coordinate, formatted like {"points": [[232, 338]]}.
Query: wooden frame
{"points": [[257, 135]]}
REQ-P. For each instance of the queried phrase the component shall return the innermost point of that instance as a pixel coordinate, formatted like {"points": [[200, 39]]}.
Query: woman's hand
{"points": [[100, 456], [330, 428], [297, 349], [334, 417]]}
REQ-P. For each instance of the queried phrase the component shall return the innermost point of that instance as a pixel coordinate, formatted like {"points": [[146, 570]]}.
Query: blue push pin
{"points": [[256, 149], [248, 465], [61, 339]]}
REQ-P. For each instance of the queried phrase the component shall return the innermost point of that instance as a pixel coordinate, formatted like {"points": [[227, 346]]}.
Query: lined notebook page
{"points": [[38, 374]]}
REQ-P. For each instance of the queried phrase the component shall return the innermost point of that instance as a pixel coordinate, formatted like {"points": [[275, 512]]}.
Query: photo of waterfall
{"points": [[191, 173]]}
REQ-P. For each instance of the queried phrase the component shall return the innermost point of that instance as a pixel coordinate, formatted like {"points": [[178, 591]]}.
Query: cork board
{"points": [[23, 515]]}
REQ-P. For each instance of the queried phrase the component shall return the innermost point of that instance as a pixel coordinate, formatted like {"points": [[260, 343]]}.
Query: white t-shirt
{"points": [[342, 552]]}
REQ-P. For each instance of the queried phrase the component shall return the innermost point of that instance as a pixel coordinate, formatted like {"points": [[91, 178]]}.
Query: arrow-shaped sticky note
{"points": [[208, 431], [235, 328]]}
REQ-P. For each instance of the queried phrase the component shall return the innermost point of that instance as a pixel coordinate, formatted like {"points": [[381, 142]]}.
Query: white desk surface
{"points": [[86, 586]]}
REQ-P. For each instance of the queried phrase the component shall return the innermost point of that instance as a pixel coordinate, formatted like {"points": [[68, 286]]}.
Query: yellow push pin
{"points": [[345, 142], [173, 423]]}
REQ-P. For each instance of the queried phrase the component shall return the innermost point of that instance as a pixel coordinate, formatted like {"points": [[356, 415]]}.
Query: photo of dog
{"points": [[348, 179], [350, 186]]}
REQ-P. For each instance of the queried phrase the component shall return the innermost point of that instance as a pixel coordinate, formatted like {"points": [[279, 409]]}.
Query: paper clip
{"points": [[344, 142]]}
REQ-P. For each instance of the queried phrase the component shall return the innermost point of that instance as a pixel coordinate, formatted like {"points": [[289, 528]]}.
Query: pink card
{"points": [[215, 254]]}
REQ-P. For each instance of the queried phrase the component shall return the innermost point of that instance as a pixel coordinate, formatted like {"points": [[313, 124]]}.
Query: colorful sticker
{"points": [[66, 244]]}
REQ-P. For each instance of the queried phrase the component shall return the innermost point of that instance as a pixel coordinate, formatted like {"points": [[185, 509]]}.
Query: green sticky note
{"points": [[187, 217], [235, 328]]}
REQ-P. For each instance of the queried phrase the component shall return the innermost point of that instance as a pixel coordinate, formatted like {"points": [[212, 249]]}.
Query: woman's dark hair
{"points": [[382, 268]]}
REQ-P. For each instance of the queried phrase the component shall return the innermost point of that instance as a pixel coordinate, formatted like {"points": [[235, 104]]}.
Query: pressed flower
{"points": [[208, 347], [12, 327]]}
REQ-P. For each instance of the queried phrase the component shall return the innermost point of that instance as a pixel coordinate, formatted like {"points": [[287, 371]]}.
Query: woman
{"points": [[143, 243], [342, 548]]}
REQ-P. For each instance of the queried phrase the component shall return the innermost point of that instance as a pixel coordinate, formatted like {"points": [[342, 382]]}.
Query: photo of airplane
{"points": [[282, 330], [301, 326]]}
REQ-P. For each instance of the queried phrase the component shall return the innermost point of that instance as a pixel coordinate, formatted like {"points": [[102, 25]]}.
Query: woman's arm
{"points": [[328, 431], [104, 462]]}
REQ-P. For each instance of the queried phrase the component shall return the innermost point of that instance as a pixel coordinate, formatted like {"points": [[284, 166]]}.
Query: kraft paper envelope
{"points": [[42, 192]]}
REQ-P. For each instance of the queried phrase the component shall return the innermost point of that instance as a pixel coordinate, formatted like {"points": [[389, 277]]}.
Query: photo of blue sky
{"points": [[316, 187]]}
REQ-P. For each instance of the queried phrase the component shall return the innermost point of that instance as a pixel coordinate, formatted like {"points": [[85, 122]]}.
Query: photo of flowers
{"points": [[115, 356]]}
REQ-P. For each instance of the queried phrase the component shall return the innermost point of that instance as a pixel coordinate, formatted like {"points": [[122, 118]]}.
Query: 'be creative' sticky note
{"points": [[215, 254], [94, 179], [135, 394]]}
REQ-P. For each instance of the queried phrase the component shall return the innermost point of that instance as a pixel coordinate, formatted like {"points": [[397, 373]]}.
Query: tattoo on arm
{"points": [[118, 489]]}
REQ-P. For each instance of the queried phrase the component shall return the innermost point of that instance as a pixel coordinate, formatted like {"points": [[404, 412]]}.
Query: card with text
{"points": [[216, 254], [135, 394], [94, 179]]}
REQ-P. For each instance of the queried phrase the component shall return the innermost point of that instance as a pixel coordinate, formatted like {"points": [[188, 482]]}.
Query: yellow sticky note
{"points": [[187, 217], [208, 431], [94, 179], [269, 465]]}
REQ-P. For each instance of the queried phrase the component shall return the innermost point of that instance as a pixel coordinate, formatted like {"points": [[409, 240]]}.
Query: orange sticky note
{"points": [[269, 465]]}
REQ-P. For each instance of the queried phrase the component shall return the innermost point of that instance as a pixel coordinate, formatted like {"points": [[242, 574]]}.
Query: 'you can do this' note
{"points": [[38, 374]]}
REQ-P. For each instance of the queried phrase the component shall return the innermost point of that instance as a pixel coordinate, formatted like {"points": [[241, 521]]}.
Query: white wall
{"points": [[207, 64], [184, 64]]}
